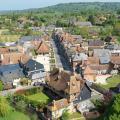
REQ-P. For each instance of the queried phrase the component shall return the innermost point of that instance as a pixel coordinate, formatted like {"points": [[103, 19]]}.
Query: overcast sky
{"points": [[24, 4]]}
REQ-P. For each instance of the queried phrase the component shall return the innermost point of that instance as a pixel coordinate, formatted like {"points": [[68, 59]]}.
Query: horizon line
{"points": [[10, 10]]}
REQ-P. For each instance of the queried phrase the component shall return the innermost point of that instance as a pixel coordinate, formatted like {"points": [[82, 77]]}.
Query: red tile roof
{"points": [[13, 58], [43, 48]]}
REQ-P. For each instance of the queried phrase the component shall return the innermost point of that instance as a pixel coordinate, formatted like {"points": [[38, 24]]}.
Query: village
{"points": [[71, 70], [61, 62]]}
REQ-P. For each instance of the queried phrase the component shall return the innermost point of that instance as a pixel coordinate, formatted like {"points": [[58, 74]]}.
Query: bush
{"points": [[21, 106], [29, 91], [4, 107], [1, 85]]}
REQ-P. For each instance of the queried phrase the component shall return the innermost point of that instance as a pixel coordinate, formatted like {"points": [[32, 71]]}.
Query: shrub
{"points": [[29, 91]]}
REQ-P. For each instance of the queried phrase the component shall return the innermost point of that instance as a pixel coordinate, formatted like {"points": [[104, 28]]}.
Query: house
{"points": [[93, 60], [80, 49], [34, 71], [100, 69], [42, 48], [10, 75], [13, 58], [25, 39], [114, 49], [43, 57], [89, 74], [78, 58], [56, 108], [77, 39], [114, 64], [68, 85], [4, 50], [93, 44], [82, 24], [103, 55]]}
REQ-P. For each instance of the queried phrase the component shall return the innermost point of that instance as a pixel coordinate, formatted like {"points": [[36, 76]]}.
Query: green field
{"points": [[112, 81], [39, 97], [76, 116], [15, 115], [9, 38]]}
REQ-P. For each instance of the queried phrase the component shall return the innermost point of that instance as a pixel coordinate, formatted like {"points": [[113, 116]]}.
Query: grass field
{"points": [[39, 97], [15, 115], [9, 38], [76, 116], [112, 82]]}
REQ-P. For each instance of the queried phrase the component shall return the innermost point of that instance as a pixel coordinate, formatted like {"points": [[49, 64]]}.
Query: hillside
{"points": [[74, 7]]}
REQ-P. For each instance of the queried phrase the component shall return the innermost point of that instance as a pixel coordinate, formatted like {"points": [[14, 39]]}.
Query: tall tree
{"points": [[4, 107]]}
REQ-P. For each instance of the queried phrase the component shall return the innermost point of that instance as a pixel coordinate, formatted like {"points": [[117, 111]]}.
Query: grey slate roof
{"points": [[10, 72], [83, 23], [103, 54], [33, 65], [34, 70], [78, 38], [95, 43], [113, 47], [79, 57], [104, 59], [2, 45], [24, 39]]}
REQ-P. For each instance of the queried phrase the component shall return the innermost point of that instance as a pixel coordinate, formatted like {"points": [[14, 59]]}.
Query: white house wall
{"points": [[45, 60]]}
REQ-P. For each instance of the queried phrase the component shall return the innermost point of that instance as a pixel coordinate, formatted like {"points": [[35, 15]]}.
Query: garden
{"points": [[7, 112], [112, 82], [23, 105]]}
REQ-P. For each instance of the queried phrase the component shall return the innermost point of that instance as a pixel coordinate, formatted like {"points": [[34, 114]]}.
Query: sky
{"points": [[25, 4]]}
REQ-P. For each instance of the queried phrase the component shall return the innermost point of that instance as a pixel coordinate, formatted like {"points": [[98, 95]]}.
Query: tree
{"points": [[4, 107], [92, 19], [113, 109], [65, 115], [24, 81], [116, 29], [1, 85]]}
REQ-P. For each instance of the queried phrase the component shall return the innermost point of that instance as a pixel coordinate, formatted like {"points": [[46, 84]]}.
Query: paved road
{"points": [[57, 57], [12, 91], [61, 61]]}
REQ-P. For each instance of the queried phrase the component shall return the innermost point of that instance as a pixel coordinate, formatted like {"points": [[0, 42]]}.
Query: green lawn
{"points": [[15, 115], [9, 38], [76, 116], [112, 82], [39, 97]]}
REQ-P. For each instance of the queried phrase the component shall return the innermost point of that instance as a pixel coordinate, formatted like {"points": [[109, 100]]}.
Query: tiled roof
{"points": [[89, 74], [80, 49], [115, 60], [93, 60], [13, 58], [99, 67], [64, 81], [43, 48], [101, 52], [57, 105], [4, 50], [79, 57], [96, 43], [88, 71], [10, 72], [83, 23]]}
